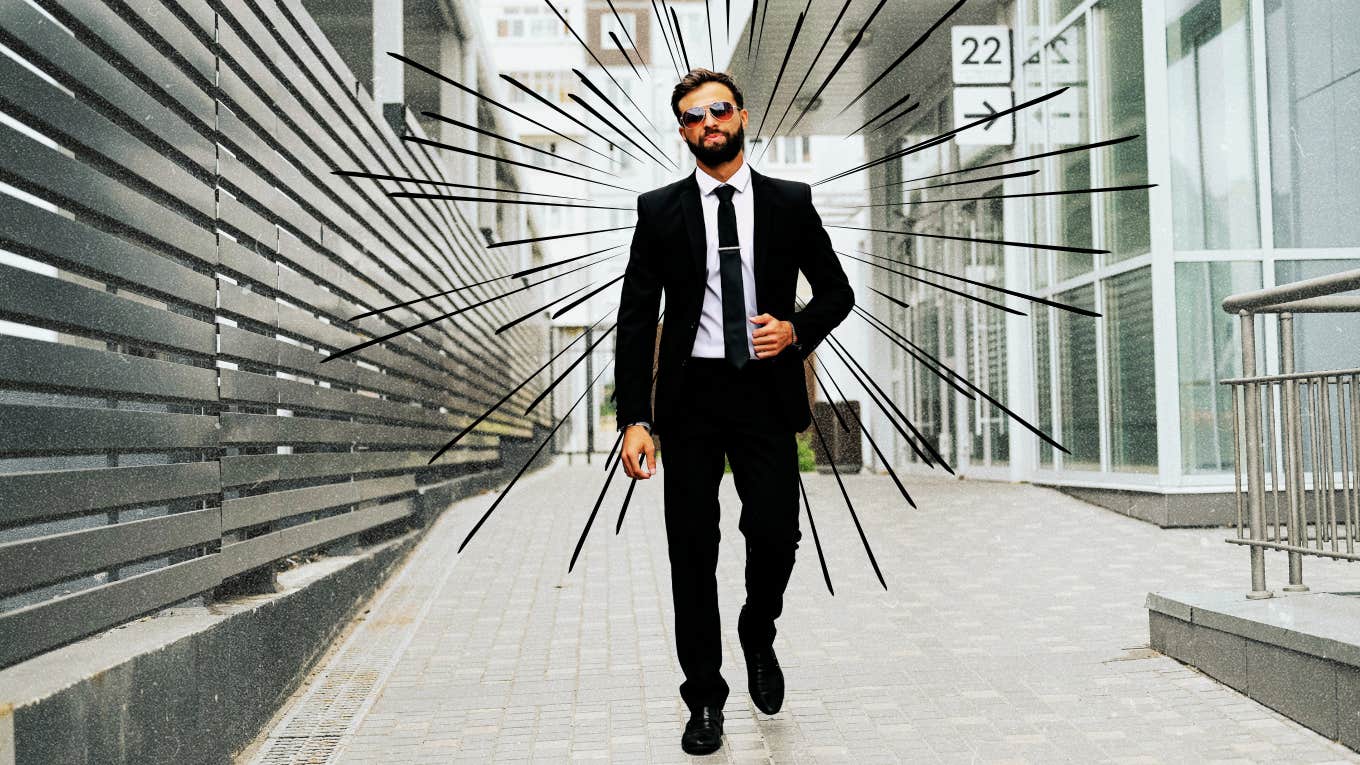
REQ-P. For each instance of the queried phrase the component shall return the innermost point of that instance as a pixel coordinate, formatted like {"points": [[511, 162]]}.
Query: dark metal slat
{"points": [[258, 551], [54, 367], [47, 429], [32, 563], [240, 428], [262, 508], [259, 468], [47, 301], [29, 497]]}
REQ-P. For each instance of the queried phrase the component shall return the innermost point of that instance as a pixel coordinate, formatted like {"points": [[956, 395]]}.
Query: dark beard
{"points": [[714, 157]]}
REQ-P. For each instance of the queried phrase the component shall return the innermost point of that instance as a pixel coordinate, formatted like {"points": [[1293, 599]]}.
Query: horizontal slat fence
{"points": [[176, 260]]}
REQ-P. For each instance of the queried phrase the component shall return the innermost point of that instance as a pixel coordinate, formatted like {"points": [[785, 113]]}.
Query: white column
{"points": [[1165, 354], [388, 86]]}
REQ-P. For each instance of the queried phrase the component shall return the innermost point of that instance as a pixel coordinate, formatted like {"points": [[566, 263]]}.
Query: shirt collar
{"points": [[708, 183]]}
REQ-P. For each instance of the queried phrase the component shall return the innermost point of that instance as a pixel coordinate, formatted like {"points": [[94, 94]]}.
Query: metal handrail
{"points": [[1269, 417], [1270, 300]]}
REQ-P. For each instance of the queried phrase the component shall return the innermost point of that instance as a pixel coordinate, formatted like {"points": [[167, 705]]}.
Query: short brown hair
{"points": [[696, 77]]}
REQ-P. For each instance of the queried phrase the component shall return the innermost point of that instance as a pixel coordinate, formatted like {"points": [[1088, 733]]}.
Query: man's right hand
{"points": [[636, 440]]}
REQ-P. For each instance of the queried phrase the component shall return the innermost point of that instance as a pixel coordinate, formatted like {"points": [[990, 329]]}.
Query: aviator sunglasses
{"points": [[722, 111]]}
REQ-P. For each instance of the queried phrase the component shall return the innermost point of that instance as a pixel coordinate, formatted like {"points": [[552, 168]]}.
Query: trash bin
{"points": [[844, 444]]}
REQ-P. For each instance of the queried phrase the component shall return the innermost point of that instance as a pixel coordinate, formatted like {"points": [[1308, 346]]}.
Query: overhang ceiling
{"points": [[896, 27]]}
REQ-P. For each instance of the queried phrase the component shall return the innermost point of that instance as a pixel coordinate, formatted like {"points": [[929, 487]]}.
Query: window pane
{"points": [[1043, 391], [1123, 113], [1069, 125], [1322, 340], [1132, 382], [1313, 53], [987, 336], [1057, 9], [1209, 349], [1213, 144], [928, 392], [1033, 132], [1078, 401]]}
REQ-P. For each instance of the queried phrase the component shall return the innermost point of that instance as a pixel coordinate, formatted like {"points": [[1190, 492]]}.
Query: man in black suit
{"points": [[725, 244]]}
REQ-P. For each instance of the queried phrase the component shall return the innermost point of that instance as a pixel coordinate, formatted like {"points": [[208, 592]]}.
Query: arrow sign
{"points": [[990, 110], [975, 103]]}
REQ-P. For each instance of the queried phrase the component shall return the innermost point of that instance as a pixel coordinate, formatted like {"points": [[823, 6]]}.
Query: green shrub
{"points": [[807, 462]]}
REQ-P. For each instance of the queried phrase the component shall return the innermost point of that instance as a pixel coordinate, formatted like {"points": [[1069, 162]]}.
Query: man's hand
{"points": [[773, 336], [636, 440]]}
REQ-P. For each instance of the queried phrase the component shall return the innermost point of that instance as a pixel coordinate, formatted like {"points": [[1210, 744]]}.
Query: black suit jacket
{"points": [[668, 255]]}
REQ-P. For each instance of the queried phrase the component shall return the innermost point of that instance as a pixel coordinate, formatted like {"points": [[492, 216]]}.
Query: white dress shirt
{"points": [[708, 340]]}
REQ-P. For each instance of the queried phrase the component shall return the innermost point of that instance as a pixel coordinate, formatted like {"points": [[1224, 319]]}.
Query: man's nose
{"points": [[709, 119]]}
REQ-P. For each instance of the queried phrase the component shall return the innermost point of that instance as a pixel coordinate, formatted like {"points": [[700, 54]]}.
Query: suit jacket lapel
{"points": [[694, 225], [762, 235]]}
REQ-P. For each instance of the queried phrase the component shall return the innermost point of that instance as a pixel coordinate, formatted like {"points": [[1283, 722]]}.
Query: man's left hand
{"points": [[773, 335]]}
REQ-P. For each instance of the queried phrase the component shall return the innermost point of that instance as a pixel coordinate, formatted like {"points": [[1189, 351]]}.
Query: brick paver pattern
{"points": [[1013, 630]]}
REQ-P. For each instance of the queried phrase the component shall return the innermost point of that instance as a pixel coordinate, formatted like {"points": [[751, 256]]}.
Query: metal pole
{"points": [[1255, 474], [1298, 525], [590, 397]]}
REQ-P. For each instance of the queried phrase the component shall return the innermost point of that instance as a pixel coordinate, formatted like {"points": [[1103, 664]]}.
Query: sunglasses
{"points": [[722, 111]]}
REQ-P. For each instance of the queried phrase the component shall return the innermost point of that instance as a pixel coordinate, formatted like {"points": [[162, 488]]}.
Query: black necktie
{"points": [[729, 270]]}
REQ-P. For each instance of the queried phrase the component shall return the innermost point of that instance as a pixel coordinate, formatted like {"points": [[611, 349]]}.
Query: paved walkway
{"points": [[1013, 629]]}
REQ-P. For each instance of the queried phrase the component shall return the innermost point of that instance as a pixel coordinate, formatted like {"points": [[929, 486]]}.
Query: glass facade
{"points": [[1241, 113], [1092, 380]]}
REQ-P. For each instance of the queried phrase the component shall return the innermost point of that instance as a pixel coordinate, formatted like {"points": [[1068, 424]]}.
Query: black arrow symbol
{"points": [[990, 111]]}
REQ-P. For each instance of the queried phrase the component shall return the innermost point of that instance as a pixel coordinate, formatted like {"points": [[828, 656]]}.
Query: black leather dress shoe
{"points": [[703, 733], [765, 679]]}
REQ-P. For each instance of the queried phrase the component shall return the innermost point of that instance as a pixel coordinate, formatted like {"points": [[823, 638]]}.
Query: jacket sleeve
{"points": [[832, 296], [639, 305]]}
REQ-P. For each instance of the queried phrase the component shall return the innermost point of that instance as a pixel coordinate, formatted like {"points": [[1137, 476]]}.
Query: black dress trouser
{"points": [[725, 411]]}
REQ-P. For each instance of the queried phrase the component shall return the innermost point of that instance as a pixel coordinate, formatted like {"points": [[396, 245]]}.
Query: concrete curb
{"points": [[195, 684], [1298, 654]]}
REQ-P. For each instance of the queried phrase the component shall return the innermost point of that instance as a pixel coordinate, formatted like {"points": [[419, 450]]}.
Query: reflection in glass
{"points": [[1132, 382], [1078, 400], [1208, 349], [1122, 113], [1313, 55], [1213, 151]]}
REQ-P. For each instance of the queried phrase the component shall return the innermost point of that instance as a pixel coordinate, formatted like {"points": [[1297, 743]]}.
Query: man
{"points": [[725, 244]]}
